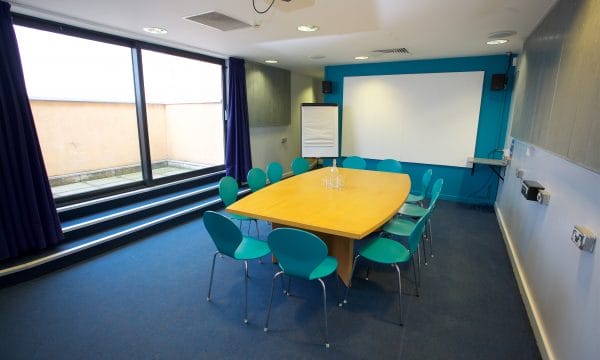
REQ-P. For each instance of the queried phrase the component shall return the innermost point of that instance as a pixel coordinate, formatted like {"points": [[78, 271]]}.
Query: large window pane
{"points": [[185, 113], [82, 97]]}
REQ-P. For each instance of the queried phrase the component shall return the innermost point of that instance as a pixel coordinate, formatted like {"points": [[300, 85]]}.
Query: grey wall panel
{"points": [[557, 98], [269, 97], [578, 91]]}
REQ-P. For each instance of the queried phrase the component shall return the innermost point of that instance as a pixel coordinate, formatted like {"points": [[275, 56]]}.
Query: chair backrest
{"points": [[224, 233], [417, 233], [425, 180], [436, 190], [298, 252], [389, 165], [257, 179], [299, 165], [274, 172], [228, 190], [354, 162]]}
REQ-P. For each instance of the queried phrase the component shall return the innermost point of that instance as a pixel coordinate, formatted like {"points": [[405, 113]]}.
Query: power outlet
{"points": [[584, 238], [520, 173]]}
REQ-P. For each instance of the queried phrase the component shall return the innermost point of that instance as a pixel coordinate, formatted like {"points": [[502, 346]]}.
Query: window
{"points": [[82, 95], [184, 108]]}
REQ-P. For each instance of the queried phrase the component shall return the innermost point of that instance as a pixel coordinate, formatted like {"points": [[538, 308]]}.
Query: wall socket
{"points": [[584, 238], [520, 173]]}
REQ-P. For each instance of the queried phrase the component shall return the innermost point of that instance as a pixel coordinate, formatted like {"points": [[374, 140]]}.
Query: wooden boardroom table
{"points": [[366, 201]]}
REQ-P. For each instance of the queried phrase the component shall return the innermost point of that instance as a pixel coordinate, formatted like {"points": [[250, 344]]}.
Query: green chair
{"points": [[299, 166], [228, 191], [389, 165], [425, 180], [415, 211], [388, 251], [274, 172], [230, 242], [303, 255], [354, 162], [257, 179]]}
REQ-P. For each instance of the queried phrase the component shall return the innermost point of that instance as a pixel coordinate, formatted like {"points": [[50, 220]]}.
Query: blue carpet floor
{"points": [[147, 300]]}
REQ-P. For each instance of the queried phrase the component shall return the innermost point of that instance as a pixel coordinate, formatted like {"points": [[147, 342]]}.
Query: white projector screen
{"points": [[418, 118]]}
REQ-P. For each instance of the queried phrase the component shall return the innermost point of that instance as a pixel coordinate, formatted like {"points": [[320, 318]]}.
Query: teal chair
{"points": [[274, 172], [388, 251], [230, 242], [228, 191], [425, 180], [257, 179], [299, 166], [415, 211], [303, 255], [354, 162], [389, 165]]}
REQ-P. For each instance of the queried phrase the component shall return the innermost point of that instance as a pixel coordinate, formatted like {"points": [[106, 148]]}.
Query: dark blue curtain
{"points": [[28, 218], [237, 148]]}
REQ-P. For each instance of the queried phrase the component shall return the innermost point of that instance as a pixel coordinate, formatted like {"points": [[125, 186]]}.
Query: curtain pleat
{"points": [[28, 217]]}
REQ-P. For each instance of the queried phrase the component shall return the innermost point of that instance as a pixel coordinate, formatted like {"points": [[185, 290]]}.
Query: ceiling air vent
{"points": [[218, 21], [392, 51]]}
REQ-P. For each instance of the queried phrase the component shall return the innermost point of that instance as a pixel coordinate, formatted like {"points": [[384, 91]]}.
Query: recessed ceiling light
{"points": [[502, 34], [497, 42], [308, 28], [155, 30], [361, 57], [271, 61]]}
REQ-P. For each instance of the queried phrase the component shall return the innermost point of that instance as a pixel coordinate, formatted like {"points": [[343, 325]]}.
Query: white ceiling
{"points": [[348, 28]]}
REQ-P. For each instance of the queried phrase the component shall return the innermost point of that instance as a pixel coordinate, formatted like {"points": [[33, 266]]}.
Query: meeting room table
{"points": [[365, 201]]}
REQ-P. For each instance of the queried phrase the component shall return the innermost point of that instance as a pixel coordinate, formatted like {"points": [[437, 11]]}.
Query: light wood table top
{"points": [[367, 200]]}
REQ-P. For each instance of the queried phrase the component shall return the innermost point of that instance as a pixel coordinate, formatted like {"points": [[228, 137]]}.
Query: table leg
{"points": [[342, 249]]}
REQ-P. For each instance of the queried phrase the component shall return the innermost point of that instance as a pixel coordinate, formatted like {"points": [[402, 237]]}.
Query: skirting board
{"points": [[535, 318]]}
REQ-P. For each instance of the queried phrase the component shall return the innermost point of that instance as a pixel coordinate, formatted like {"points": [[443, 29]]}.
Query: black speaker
{"points": [[326, 87], [499, 82]]}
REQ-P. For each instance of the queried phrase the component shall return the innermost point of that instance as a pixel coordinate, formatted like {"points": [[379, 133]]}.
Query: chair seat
{"points": [[325, 268], [238, 217], [412, 210], [251, 248], [412, 198], [385, 251], [399, 227]]}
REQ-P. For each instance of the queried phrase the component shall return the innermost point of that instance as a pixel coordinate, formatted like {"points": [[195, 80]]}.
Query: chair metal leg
{"points": [[399, 292], [325, 311], [417, 278], [350, 281], [337, 280], [424, 249], [245, 292], [430, 237], [212, 271], [266, 328]]}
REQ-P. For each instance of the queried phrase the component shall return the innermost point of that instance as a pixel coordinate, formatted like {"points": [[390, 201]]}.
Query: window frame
{"points": [[136, 47]]}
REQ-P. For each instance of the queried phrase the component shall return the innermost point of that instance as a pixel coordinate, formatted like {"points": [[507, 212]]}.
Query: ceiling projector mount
{"points": [[268, 8]]}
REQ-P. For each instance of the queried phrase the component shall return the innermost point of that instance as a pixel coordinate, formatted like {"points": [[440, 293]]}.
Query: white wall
{"points": [[265, 142], [560, 284]]}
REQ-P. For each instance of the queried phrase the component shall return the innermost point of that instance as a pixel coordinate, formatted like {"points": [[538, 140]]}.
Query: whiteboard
{"points": [[320, 137], [420, 118]]}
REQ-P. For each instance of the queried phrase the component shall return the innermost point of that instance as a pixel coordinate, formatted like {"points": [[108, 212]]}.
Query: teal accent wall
{"points": [[460, 184]]}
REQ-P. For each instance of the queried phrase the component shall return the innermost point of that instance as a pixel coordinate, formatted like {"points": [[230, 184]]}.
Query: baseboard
{"points": [[535, 318]]}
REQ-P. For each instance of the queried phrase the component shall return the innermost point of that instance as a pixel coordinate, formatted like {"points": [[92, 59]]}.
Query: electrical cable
{"points": [[262, 12]]}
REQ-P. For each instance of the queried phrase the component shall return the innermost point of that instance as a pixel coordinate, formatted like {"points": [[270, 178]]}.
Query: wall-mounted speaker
{"points": [[498, 82], [327, 87]]}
